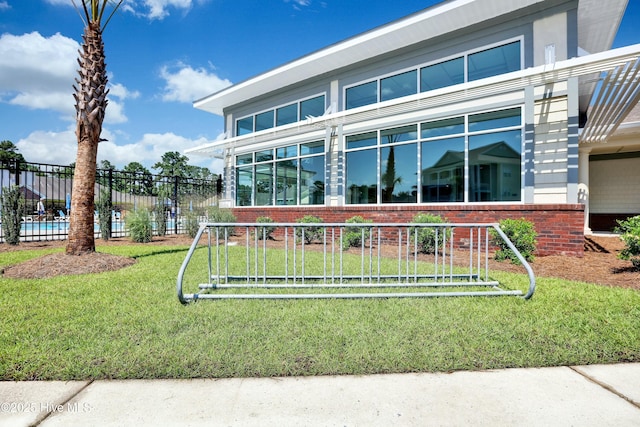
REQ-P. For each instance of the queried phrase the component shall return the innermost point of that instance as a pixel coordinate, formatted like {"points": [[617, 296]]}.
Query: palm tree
{"points": [[91, 104]]}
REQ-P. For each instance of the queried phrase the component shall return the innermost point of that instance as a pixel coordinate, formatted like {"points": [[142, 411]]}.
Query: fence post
{"points": [[176, 204], [110, 202]]}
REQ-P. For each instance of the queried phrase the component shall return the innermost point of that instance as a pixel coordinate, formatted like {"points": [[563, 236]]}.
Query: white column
{"points": [[583, 184]]}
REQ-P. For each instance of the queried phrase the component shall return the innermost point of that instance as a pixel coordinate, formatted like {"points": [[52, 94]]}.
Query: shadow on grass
{"points": [[162, 252]]}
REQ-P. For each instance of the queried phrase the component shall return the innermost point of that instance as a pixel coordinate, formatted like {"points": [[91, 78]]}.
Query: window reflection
{"points": [[363, 94], [444, 74], [442, 170], [399, 85], [287, 114], [264, 120], [399, 176], [494, 167], [362, 179], [495, 61], [244, 185]]}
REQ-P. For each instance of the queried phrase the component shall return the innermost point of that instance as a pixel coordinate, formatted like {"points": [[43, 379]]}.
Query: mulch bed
{"points": [[599, 265]]}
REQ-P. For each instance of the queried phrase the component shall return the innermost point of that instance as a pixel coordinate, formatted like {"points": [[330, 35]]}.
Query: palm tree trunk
{"points": [[91, 103]]}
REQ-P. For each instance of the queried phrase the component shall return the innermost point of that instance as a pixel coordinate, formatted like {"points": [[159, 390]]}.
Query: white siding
{"points": [[615, 186], [550, 151]]}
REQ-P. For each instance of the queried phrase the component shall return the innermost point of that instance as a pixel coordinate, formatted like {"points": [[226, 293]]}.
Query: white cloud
{"points": [[157, 9], [298, 4], [4, 6], [151, 9], [57, 148], [119, 91], [188, 84], [60, 148], [38, 72]]}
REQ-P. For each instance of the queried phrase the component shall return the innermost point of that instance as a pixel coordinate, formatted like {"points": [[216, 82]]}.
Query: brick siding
{"points": [[560, 227]]}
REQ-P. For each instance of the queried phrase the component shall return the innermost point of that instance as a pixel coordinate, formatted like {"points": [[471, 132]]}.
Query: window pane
{"points": [[264, 156], [312, 148], [494, 166], [362, 140], [399, 85], [244, 126], [286, 152], [362, 180], [287, 182], [264, 185], [287, 114], [244, 183], [444, 74], [401, 134], [312, 107], [442, 178], [244, 159], [264, 120], [491, 62], [399, 180], [494, 120], [312, 180], [360, 95], [442, 127]]}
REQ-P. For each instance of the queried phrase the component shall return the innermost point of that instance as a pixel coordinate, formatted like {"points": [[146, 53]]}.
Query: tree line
{"points": [[171, 164]]}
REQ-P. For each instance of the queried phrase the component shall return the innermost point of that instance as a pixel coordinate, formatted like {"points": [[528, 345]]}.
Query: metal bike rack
{"points": [[264, 266]]}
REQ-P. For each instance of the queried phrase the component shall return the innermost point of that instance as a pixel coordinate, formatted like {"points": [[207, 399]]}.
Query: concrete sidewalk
{"points": [[598, 395]]}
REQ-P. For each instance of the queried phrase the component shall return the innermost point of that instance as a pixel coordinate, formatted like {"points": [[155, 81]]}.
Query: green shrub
{"points": [[523, 236], [161, 219], [426, 236], [191, 224], [629, 230], [12, 208], [264, 232], [103, 206], [216, 214], [310, 233], [354, 236], [140, 226]]}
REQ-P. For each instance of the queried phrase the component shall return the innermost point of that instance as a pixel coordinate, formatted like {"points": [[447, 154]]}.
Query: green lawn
{"points": [[129, 324]]}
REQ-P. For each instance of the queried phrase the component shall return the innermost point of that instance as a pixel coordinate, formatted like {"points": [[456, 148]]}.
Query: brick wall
{"points": [[560, 227]]}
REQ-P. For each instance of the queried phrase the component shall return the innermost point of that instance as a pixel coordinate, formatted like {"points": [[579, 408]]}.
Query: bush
{"points": [[103, 206], [629, 230], [12, 208], [523, 236], [161, 219], [140, 226], [264, 231], [216, 214], [310, 233], [426, 236], [191, 224], [354, 236]]}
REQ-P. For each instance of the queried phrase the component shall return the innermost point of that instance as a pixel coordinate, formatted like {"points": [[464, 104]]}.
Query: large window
{"points": [[474, 158], [364, 94], [444, 74], [286, 114], [467, 67], [399, 85], [395, 150], [291, 175], [495, 61]]}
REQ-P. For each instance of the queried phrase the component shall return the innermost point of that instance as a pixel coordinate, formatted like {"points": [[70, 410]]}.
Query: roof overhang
{"points": [[598, 24], [624, 88]]}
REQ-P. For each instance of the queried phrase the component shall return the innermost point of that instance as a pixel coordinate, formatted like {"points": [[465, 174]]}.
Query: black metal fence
{"points": [[118, 194]]}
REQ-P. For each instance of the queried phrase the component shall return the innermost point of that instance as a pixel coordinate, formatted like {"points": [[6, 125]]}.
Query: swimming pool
{"points": [[59, 229]]}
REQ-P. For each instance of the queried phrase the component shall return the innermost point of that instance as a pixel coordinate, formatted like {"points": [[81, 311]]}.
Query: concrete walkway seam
{"points": [[65, 399], [605, 386]]}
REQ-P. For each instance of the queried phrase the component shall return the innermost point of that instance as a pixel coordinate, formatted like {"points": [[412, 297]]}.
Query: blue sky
{"points": [[161, 56]]}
